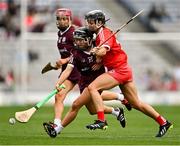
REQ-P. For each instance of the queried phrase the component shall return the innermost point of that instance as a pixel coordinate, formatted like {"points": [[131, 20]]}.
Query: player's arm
{"points": [[100, 52], [64, 75], [104, 46], [61, 61]]}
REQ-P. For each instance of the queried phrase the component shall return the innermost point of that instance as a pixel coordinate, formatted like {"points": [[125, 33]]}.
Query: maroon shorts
{"points": [[88, 79]]}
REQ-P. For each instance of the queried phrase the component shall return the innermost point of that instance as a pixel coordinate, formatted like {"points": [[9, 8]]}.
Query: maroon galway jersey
{"points": [[84, 61], [66, 47], [65, 42]]}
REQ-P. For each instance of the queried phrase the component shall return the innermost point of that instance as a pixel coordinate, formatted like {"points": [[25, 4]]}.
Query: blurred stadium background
{"points": [[28, 36]]}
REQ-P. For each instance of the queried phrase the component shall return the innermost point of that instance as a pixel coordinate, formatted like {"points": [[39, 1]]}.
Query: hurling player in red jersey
{"points": [[65, 47], [119, 73], [86, 64]]}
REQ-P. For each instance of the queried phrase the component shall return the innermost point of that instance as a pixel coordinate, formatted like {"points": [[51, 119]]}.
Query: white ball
{"points": [[12, 121]]}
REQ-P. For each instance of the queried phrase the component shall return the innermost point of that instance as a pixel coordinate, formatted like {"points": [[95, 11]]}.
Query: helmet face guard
{"points": [[82, 39], [63, 15]]}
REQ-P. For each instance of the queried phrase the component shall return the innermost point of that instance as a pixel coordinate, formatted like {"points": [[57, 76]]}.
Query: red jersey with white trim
{"points": [[115, 56]]}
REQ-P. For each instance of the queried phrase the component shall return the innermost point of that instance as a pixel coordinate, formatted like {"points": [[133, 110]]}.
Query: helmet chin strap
{"points": [[89, 43], [102, 24], [98, 25], [70, 22]]}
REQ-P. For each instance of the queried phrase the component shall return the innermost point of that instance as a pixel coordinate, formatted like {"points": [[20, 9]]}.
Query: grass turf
{"points": [[140, 130]]}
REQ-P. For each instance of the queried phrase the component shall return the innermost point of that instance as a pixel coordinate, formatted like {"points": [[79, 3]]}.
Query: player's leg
{"points": [[51, 128], [109, 95], [59, 99], [130, 92], [103, 82], [117, 112], [83, 99]]}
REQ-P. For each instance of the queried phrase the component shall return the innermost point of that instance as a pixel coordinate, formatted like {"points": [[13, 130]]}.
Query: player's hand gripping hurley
{"points": [[24, 116]]}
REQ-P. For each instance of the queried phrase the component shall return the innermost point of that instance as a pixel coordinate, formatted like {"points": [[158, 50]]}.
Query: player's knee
{"points": [[59, 98], [137, 105]]}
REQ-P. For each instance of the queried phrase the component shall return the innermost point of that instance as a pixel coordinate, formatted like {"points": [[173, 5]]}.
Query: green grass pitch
{"points": [[140, 129]]}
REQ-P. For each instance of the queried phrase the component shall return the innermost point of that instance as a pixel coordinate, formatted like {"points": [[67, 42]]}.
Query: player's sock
{"points": [[100, 115], [120, 96], [161, 120], [57, 122], [58, 128], [115, 112]]}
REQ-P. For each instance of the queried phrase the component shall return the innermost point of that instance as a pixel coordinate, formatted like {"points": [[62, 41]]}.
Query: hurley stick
{"points": [[24, 116]]}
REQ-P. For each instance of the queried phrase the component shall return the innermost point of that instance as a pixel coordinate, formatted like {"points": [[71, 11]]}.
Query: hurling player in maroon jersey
{"points": [[119, 73], [89, 69], [65, 47]]}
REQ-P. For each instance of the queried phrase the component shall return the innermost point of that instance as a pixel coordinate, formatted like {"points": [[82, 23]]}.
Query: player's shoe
{"points": [[98, 125], [164, 128], [50, 129], [121, 117], [127, 104]]}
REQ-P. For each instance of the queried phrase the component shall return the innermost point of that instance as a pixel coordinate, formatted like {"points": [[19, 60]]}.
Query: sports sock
{"points": [[115, 112], [100, 115], [59, 128], [161, 120], [120, 96], [57, 122]]}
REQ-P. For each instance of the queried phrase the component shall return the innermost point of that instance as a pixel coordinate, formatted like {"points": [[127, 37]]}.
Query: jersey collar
{"points": [[62, 32]]}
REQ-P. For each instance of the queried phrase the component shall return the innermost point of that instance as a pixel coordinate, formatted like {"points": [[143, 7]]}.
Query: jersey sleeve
{"points": [[72, 61]]}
